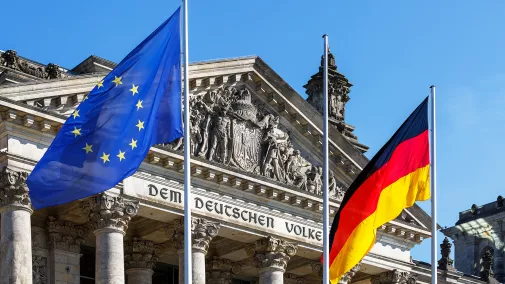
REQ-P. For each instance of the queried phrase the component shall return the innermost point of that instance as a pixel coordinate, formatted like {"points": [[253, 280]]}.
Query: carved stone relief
{"points": [[395, 276], [202, 231], [65, 235], [39, 269], [230, 127], [106, 211], [13, 188], [11, 59], [271, 252]]}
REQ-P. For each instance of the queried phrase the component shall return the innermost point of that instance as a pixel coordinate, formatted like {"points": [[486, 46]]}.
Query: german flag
{"points": [[396, 177]]}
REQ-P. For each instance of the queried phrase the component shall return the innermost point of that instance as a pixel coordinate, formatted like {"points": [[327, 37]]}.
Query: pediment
{"points": [[245, 119]]}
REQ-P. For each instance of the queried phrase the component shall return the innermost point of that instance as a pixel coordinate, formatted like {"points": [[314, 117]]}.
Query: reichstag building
{"points": [[257, 185]]}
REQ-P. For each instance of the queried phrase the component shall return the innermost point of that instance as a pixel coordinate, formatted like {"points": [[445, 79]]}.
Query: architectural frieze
{"points": [[13, 188], [65, 235], [141, 254], [106, 211]]}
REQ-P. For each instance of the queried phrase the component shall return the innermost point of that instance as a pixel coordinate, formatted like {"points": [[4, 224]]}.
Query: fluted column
{"points": [[221, 271], [109, 216], [271, 256], [15, 235], [65, 239], [202, 232], [140, 259]]}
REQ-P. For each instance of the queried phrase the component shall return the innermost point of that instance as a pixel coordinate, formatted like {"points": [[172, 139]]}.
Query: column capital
{"points": [[105, 211], [273, 253], [66, 235], [221, 271], [202, 232], [13, 190], [394, 277], [317, 267], [141, 254]]}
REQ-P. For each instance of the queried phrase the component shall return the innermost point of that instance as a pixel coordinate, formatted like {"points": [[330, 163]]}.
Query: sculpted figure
{"points": [[274, 138], [219, 136], [314, 180], [293, 168]]}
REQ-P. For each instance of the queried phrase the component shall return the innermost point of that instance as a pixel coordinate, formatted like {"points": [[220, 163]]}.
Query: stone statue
{"points": [[220, 135], [314, 180], [293, 168], [271, 165], [487, 258]]}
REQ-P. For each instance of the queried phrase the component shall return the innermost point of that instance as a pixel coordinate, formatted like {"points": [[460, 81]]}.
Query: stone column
{"points": [[221, 271], [271, 257], [15, 235], [109, 216], [394, 277], [65, 239], [140, 259], [202, 232]]}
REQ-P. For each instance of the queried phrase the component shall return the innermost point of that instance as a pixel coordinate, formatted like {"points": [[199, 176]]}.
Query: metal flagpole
{"points": [[326, 211], [433, 185], [188, 277]]}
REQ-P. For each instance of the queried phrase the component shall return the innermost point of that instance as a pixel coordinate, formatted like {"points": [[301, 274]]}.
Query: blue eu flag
{"points": [[108, 136]]}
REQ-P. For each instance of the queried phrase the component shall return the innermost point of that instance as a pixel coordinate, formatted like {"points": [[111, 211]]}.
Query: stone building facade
{"points": [[479, 240], [256, 147]]}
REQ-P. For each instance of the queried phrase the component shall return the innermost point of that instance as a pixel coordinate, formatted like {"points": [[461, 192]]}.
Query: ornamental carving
{"points": [[13, 188], [317, 267], [141, 254], [220, 271], [202, 232], [274, 253], [39, 269], [106, 211], [231, 127], [445, 262], [11, 60], [395, 276], [65, 235], [291, 278]]}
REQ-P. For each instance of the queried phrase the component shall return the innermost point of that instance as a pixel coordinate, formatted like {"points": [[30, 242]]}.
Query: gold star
{"points": [[139, 105], [134, 89], [76, 131], [140, 125], [121, 155], [117, 81], [76, 113], [85, 98], [105, 157], [133, 144], [87, 148], [99, 85]]}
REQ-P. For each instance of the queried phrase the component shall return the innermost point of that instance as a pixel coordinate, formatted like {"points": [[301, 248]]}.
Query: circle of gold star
{"points": [[76, 131], [117, 81], [99, 85], [76, 113], [134, 89], [121, 155], [88, 148], [139, 105], [105, 157], [140, 125], [133, 144]]}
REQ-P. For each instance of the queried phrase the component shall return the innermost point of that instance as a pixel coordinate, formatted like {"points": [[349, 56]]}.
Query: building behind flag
{"points": [[256, 204]]}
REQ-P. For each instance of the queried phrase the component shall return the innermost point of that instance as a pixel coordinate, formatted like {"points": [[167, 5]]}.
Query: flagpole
{"points": [[188, 277], [326, 211], [433, 185]]}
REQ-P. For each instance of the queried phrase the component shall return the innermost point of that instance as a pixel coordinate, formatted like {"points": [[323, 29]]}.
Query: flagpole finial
{"points": [[432, 86], [325, 35]]}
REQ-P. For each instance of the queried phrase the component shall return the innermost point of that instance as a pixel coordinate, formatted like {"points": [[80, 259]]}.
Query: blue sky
{"points": [[392, 51]]}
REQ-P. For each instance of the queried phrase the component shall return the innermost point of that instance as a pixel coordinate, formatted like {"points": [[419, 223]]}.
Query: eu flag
{"points": [[137, 105]]}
